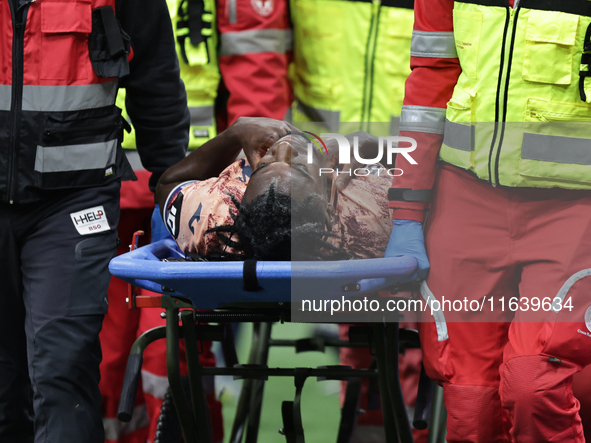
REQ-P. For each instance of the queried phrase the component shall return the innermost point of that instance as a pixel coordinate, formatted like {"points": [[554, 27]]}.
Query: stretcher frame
{"points": [[183, 300]]}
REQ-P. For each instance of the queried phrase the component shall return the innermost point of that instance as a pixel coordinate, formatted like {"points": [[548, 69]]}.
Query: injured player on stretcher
{"points": [[280, 204], [259, 206]]}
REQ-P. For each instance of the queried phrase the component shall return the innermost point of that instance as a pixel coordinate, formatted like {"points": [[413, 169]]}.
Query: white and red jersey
{"points": [[361, 219]]}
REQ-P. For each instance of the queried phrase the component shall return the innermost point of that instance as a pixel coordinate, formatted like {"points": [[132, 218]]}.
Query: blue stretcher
{"points": [[212, 286]]}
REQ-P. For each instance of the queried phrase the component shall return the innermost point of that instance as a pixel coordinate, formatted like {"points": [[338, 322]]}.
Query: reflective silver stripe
{"points": [[201, 115], [288, 117], [255, 41], [156, 385], [5, 97], [422, 119], [437, 314], [133, 157], [394, 125], [115, 429], [552, 148], [459, 136], [330, 119], [68, 98], [566, 287], [232, 18], [75, 157], [433, 44]]}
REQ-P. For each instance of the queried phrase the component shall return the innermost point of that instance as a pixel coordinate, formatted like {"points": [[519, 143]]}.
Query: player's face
{"points": [[286, 164]]}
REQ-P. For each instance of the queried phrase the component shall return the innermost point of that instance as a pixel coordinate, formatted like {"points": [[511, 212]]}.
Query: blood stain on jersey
{"points": [[262, 7]]}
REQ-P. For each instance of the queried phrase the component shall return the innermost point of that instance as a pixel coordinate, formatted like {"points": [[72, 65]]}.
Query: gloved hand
{"points": [[407, 239], [159, 231]]}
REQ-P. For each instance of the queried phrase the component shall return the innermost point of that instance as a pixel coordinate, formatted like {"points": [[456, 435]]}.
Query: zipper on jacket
{"points": [[498, 98], [58, 136], [515, 15], [502, 92], [19, 20], [556, 117], [369, 64]]}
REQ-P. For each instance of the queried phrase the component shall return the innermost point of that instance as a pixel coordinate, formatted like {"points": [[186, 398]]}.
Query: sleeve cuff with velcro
{"points": [[409, 195]]}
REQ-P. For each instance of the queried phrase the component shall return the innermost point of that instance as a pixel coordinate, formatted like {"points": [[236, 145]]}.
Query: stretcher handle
{"points": [[130, 386], [147, 284], [422, 415]]}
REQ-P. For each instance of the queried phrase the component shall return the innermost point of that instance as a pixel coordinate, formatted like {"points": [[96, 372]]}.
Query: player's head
{"points": [[285, 209], [288, 166]]}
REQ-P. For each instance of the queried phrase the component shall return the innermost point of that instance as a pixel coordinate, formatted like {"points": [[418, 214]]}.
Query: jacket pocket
{"points": [[65, 27], [91, 278], [546, 111], [467, 31], [459, 132], [556, 144], [78, 150], [108, 44], [549, 47], [82, 128]]}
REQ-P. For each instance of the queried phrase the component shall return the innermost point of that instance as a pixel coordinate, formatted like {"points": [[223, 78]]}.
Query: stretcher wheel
{"points": [[168, 429]]}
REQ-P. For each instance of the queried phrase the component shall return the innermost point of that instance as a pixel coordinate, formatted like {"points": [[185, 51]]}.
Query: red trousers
{"points": [[582, 390], [507, 374]]}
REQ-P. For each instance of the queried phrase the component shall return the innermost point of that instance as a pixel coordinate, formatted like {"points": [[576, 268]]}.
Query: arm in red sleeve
{"points": [[255, 46], [435, 70]]}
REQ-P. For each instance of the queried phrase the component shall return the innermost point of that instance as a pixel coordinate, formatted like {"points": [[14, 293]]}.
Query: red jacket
{"points": [[255, 48], [427, 91], [60, 64]]}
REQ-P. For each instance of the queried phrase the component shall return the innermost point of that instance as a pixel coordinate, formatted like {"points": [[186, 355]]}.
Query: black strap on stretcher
{"points": [[409, 195], [249, 276]]}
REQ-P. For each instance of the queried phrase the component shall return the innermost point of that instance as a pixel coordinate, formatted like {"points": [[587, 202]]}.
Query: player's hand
{"points": [[255, 135], [407, 239]]}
